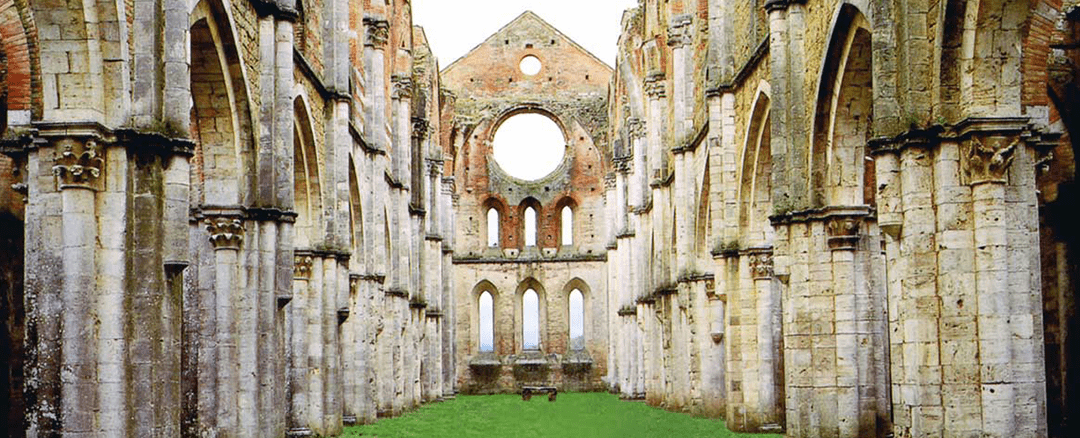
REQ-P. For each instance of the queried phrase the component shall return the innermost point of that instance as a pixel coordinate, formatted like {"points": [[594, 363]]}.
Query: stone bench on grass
{"points": [[527, 392]]}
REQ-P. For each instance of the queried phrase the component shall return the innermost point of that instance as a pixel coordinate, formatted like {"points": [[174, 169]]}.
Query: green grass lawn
{"points": [[590, 415]]}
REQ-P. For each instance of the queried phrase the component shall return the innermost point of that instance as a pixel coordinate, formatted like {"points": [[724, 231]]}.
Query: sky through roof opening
{"points": [[529, 146]]}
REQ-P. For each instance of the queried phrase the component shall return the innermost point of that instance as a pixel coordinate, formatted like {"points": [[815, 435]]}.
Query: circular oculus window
{"points": [[529, 146], [530, 65]]}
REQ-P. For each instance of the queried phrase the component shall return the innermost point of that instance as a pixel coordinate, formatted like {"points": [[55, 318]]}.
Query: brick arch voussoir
{"points": [[17, 45]]}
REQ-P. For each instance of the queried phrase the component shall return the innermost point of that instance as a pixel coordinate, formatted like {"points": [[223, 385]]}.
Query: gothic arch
{"points": [[533, 284], [307, 178], [703, 220], [221, 119], [840, 171], [356, 214], [522, 229], [755, 188], [494, 203], [587, 301], [484, 286], [17, 48], [560, 222]]}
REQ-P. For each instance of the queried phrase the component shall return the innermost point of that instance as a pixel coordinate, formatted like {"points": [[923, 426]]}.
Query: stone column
{"points": [[1006, 325], [770, 404], [679, 37], [79, 173], [298, 347], [638, 185], [352, 369], [377, 33], [226, 236], [655, 87], [833, 310]]}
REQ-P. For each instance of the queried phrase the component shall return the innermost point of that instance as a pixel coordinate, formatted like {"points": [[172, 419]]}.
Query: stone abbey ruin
{"points": [[270, 218]]}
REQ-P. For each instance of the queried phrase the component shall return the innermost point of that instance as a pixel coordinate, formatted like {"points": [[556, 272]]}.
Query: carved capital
{"points": [[989, 161], [680, 33], [843, 232], [79, 163], [655, 87], [761, 265], [302, 263], [377, 31], [421, 128], [635, 128], [609, 181], [403, 87], [226, 232]]}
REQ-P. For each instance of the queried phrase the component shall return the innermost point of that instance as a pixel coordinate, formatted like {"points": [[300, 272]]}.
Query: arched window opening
{"points": [[530, 226], [530, 319], [487, 323], [577, 320], [493, 227], [567, 226]]}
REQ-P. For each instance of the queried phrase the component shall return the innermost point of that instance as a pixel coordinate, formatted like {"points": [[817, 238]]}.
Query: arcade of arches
{"points": [[266, 218]]}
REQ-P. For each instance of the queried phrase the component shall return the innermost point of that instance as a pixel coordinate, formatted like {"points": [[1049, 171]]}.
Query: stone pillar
{"points": [[298, 347], [962, 299], [655, 87], [770, 406], [639, 184], [351, 356], [377, 33], [335, 277], [78, 170], [680, 36], [226, 236], [1009, 326], [833, 310]]}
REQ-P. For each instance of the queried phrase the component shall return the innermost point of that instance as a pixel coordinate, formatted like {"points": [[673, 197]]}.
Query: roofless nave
{"points": [[276, 217]]}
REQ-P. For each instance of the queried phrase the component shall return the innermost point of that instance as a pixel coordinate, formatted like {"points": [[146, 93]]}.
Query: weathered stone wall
{"points": [[267, 218], [861, 243], [250, 193]]}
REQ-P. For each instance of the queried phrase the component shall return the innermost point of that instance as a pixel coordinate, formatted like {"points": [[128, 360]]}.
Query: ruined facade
{"points": [[233, 215], [844, 217], [278, 217], [489, 88]]}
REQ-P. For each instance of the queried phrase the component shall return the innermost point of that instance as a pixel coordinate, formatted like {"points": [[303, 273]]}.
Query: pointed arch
{"points": [[19, 66], [537, 315], [529, 211], [755, 189], [221, 116], [485, 297], [356, 212], [494, 215], [306, 179], [703, 222], [840, 168], [566, 208], [578, 299]]}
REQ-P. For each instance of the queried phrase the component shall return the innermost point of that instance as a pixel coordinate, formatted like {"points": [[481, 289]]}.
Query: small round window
{"points": [[529, 146], [530, 65]]}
